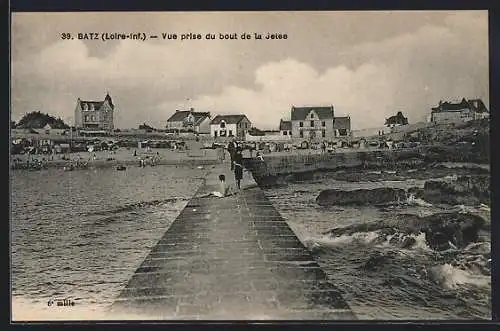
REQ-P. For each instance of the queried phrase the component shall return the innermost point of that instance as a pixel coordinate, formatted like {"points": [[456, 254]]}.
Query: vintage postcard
{"points": [[250, 166]]}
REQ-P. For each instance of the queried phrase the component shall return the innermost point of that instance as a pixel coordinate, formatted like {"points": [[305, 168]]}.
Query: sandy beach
{"points": [[124, 156]]}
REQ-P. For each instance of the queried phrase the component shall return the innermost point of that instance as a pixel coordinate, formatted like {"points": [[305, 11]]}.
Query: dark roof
{"points": [[110, 101], [473, 104], [180, 115], [285, 125], [342, 123], [397, 119], [478, 105], [300, 113], [97, 104], [229, 119]]}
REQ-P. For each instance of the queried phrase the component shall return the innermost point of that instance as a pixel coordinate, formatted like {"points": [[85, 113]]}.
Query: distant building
{"points": [[396, 120], [286, 128], [313, 123], [465, 110], [95, 115], [230, 126], [187, 120], [342, 126], [268, 136], [50, 129]]}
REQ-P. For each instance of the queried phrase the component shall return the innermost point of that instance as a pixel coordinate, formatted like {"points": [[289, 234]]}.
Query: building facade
{"points": [[396, 120], [286, 128], [342, 127], [455, 112], [189, 120], [312, 123], [224, 126], [95, 115]]}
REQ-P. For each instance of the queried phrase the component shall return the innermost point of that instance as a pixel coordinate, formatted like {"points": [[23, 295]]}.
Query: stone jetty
{"points": [[232, 258]]}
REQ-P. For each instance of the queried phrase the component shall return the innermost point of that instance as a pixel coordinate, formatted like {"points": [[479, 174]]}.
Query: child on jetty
{"points": [[223, 189]]}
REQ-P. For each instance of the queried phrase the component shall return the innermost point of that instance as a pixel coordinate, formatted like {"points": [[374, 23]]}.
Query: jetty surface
{"points": [[232, 258]]}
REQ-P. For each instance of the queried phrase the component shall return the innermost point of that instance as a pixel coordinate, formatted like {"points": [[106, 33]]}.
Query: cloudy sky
{"points": [[367, 64]]}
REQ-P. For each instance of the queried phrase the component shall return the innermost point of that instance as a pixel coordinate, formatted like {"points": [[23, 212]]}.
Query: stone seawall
{"points": [[268, 171]]}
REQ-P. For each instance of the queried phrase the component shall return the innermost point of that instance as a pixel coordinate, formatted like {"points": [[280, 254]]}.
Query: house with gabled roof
{"points": [[286, 128], [236, 125], [396, 120], [189, 121], [342, 126], [95, 115], [312, 122], [453, 112]]}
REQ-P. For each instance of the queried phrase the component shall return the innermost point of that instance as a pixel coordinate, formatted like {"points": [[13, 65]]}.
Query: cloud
{"points": [[410, 72], [370, 80]]}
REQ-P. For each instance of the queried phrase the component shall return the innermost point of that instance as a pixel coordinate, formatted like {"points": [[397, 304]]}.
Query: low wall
{"points": [[268, 171]]}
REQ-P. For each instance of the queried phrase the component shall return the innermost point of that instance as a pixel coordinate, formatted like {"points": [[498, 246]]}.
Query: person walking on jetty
{"points": [[238, 166], [231, 148]]}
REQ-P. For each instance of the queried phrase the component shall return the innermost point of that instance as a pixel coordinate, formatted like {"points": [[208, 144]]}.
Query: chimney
{"points": [[176, 110], [191, 109]]}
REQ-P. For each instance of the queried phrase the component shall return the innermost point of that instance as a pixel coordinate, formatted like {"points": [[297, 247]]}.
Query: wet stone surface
{"points": [[233, 259]]}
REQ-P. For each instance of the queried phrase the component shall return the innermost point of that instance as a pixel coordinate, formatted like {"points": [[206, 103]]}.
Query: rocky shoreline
{"points": [[469, 190]]}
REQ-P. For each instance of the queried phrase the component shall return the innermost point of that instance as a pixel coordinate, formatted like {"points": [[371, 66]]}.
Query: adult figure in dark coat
{"points": [[231, 148], [238, 166]]}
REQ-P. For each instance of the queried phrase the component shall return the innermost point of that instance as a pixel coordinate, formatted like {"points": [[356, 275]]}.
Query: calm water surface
{"points": [[81, 234]]}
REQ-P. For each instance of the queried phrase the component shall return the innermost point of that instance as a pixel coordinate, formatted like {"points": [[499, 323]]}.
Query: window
{"points": [[285, 133], [215, 134], [312, 115], [222, 133], [301, 134], [301, 124], [86, 118], [289, 133], [323, 123], [312, 124], [335, 133], [230, 133], [323, 133], [222, 124]]}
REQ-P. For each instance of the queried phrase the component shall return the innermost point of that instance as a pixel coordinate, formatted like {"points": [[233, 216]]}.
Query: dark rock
{"points": [[408, 242], [441, 230], [455, 228], [360, 197], [467, 190]]}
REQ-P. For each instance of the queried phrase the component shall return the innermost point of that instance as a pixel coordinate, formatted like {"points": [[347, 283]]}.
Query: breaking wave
{"points": [[134, 206]]}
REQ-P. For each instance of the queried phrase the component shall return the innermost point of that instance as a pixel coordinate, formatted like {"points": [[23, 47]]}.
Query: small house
{"points": [[230, 126]]}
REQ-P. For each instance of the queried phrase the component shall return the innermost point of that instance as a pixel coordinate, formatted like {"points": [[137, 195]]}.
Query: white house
{"points": [[312, 123], [189, 120], [230, 126], [453, 112]]}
